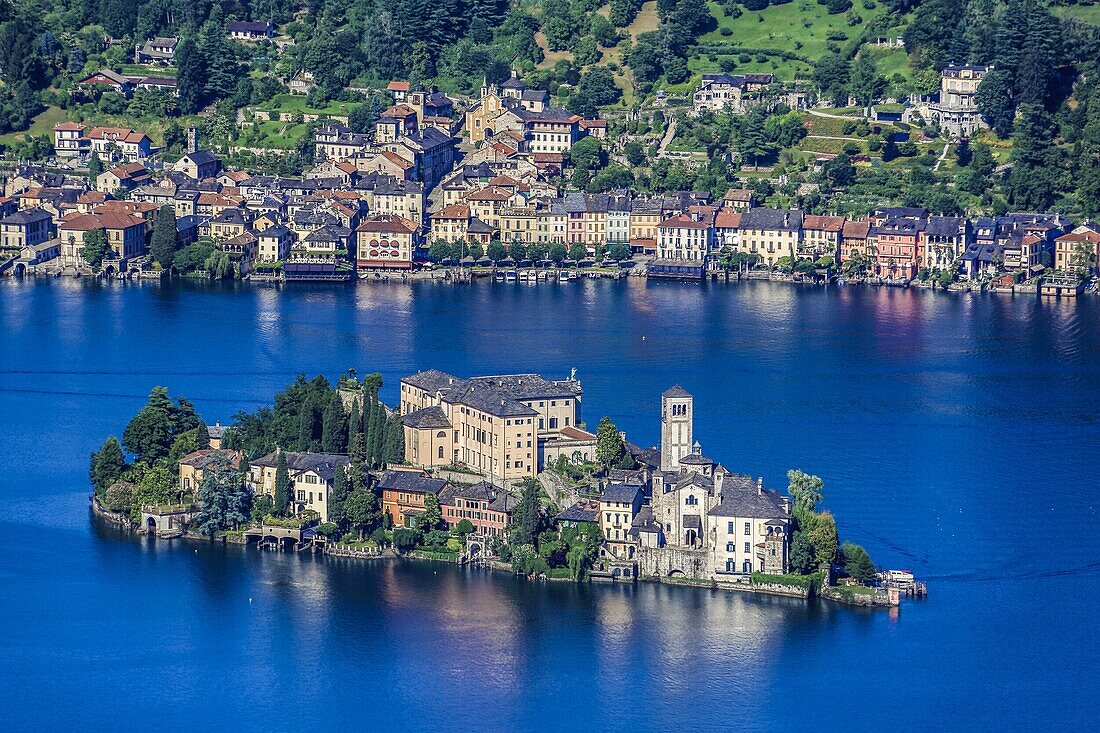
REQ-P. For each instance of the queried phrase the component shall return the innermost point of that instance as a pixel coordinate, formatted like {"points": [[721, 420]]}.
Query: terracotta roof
{"points": [[548, 157], [397, 86], [728, 219], [590, 124], [124, 134], [68, 126], [387, 223], [576, 433], [396, 159], [824, 223], [683, 221], [490, 193], [738, 194], [455, 211], [105, 220], [128, 170], [857, 229]]}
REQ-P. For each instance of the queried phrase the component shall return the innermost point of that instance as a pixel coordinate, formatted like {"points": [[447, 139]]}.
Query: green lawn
{"points": [[1084, 13], [297, 103], [42, 125], [165, 72], [801, 27], [272, 134]]}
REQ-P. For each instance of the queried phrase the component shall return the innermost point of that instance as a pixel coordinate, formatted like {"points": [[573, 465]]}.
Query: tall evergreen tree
{"points": [[106, 465], [190, 77], [165, 240], [282, 485], [333, 426]]}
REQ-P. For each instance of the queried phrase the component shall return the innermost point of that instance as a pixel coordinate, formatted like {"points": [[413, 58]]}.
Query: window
{"points": [[729, 528], [691, 500], [748, 528], [748, 548], [440, 451], [553, 423]]}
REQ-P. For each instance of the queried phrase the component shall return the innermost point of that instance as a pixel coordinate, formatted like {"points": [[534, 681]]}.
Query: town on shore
{"points": [[499, 471], [480, 189]]}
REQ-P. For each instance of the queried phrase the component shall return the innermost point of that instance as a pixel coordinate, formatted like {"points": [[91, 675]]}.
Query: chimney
{"points": [[192, 139], [760, 486]]}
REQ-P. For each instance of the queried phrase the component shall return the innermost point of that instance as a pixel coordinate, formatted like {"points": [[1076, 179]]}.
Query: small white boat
{"points": [[510, 276]]}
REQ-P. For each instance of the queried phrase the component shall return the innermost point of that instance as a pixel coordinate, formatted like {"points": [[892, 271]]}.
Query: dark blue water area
{"points": [[957, 436]]}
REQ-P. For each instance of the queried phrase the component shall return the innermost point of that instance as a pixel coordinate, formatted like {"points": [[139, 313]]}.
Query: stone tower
{"points": [[192, 139], [775, 549], [676, 416]]}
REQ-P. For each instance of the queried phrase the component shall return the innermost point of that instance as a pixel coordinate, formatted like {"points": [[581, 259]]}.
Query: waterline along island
{"points": [[495, 471]]}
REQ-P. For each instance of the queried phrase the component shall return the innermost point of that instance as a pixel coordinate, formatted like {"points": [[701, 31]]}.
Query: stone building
{"points": [[492, 425], [704, 521]]}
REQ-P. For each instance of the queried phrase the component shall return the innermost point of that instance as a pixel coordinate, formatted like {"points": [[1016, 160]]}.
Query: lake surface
{"points": [[957, 436]]}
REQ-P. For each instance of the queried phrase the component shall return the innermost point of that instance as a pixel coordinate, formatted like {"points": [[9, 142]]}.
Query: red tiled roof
{"points": [[105, 220], [857, 229], [728, 219], [387, 223], [823, 223], [397, 86], [455, 211]]}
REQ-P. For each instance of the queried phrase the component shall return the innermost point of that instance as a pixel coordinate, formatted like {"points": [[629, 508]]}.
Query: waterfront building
{"points": [[404, 493], [125, 235], [895, 254], [25, 228], [194, 465], [619, 504], [488, 508], [704, 521], [942, 241], [492, 425], [821, 237], [386, 241], [575, 444], [311, 477], [770, 233], [1078, 250]]}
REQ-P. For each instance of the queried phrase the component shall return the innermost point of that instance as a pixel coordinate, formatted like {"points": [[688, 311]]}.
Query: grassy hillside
{"points": [[802, 28]]}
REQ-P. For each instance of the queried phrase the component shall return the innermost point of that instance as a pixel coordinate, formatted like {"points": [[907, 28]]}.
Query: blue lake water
{"points": [[957, 436]]}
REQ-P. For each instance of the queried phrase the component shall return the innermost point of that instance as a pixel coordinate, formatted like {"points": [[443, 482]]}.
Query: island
{"points": [[494, 471]]}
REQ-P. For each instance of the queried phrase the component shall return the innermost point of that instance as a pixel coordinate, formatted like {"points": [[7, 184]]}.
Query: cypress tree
{"points": [[106, 466], [333, 429], [377, 433], [339, 496], [354, 422], [203, 437], [282, 485]]}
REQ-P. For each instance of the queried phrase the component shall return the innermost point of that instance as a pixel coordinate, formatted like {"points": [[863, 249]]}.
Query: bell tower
{"points": [[676, 435]]}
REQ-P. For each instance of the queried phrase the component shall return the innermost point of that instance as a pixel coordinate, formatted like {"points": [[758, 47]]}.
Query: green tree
{"points": [[752, 140], [226, 502], [157, 487], [202, 436], [609, 442], [820, 532], [334, 428], [119, 497], [578, 251], [527, 518], [806, 490], [95, 167], [359, 510], [151, 432], [865, 83], [432, 515], [405, 539], [464, 527], [95, 248], [282, 486], [165, 240], [496, 251], [262, 506], [106, 465], [802, 555], [857, 563]]}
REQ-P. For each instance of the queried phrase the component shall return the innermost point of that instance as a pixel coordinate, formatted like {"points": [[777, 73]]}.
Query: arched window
{"points": [[691, 500], [441, 452], [553, 423]]}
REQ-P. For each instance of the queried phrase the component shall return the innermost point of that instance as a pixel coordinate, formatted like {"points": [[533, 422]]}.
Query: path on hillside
{"points": [[669, 134], [943, 157], [817, 113]]}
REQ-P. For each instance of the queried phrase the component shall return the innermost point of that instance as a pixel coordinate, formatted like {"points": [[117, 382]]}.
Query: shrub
{"points": [[726, 31], [754, 5]]}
